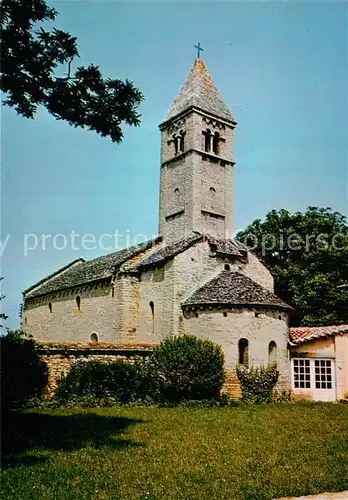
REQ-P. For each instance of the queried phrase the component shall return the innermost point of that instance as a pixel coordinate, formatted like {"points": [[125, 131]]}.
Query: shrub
{"points": [[23, 373], [101, 380], [282, 396], [185, 368], [257, 384]]}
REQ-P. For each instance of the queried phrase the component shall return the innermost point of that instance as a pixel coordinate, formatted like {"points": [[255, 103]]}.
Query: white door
{"points": [[315, 377], [324, 379]]}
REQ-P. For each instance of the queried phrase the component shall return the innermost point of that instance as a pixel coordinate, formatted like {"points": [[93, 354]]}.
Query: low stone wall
{"points": [[61, 357], [232, 385]]}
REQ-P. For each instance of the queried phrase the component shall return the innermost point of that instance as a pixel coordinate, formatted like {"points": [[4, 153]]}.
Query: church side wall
{"points": [[190, 268], [66, 323], [127, 288], [259, 273], [156, 287]]}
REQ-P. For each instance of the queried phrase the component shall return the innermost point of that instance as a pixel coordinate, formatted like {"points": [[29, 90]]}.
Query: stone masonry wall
{"points": [[227, 326], [194, 172], [157, 287], [99, 313], [60, 359]]}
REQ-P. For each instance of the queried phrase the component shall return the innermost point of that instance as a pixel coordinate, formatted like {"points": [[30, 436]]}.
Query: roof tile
{"points": [[234, 289], [306, 333]]}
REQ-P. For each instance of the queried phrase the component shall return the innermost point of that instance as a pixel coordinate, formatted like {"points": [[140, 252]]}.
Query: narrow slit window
{"points": [[152, 307], [182, 141], [243, 347], [50, 307], [207, 140], [78, 302], [216, 143], [176, 143], [272, 352]]}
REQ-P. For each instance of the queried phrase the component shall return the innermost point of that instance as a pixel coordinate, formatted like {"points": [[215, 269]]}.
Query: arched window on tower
{"points": [[176, 143], [182, 141], [152, 307], [207, 140], [243, 351], [216, 143], [272, 352], [78, 302]]}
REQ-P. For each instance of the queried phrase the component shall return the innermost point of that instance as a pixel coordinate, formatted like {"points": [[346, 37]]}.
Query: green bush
{"points": [[23, 374], [185, 368], [257, 384], [115, 381], [282, 396]]}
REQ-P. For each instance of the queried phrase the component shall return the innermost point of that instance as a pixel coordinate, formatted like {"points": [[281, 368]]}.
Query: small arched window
{"points": [[78, 302], [216, 143], [243, 348], [272, 352], [94, 338], [182, 141], [176, 191], [227, 267], [207, 140], [50, 307], [176, 143], [212, 191], [152, 307]]}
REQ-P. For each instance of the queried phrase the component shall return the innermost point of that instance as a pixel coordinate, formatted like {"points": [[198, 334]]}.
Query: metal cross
{"points": [[199, 49]]}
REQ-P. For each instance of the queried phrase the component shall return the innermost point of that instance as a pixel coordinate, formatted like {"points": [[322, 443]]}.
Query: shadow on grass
{"points": [[24, 432]]}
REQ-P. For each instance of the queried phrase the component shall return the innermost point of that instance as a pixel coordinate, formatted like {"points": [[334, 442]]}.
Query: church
{"points": [[194, 277]]}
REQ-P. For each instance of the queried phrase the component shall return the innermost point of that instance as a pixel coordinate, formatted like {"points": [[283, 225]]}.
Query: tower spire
{"points": [[199, 90]]}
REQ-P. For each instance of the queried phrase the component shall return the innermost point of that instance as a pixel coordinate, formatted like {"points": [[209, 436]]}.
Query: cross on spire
{"points": [[199, 49]]}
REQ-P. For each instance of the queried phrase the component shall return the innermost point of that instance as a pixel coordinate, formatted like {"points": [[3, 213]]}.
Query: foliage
{"points": [[282, 396], [246, 452], [3, 316], [308, 256], [91, 380], [257, 384], [31, 58], [180, 369], [23, 374], [184, 368]]}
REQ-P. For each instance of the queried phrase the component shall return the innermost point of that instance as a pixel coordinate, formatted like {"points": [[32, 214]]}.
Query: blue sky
{"points": [[282, 69]]}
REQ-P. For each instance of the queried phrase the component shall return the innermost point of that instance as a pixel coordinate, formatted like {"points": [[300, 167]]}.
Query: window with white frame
{"points": [[302, 374], [323, 374], [312, 373]]}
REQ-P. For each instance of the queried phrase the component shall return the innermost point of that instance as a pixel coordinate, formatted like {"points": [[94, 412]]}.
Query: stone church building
{"points": [[194, 277]]}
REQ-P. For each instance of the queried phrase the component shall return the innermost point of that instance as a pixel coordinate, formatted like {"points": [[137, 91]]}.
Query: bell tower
{"points": [[196, 161]]}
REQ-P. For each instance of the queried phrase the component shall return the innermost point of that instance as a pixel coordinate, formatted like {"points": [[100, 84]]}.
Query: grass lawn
{"points": [[256, 452]]}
